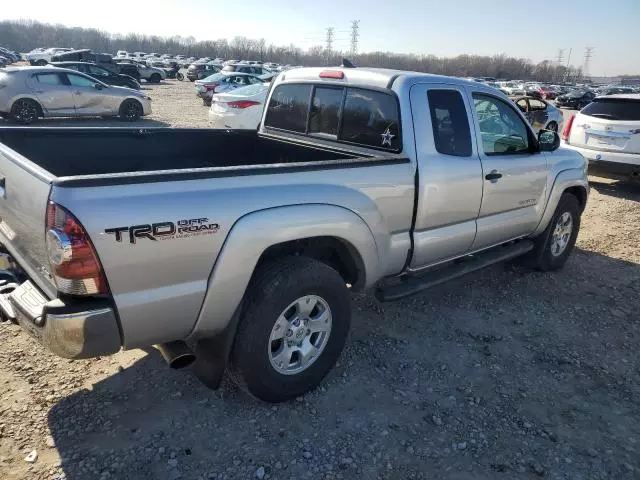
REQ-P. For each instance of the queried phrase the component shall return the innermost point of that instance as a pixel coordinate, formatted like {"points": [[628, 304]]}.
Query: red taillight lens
{"points": [[338, 74], [567, 129], [74, 262], [210, 88], [242, 104]]}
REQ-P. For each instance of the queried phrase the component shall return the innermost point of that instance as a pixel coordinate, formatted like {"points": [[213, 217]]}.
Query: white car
{"points": [[43, 57], [607, 133], [239, 109]]}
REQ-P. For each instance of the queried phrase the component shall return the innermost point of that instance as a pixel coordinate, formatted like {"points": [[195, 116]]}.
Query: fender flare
{"points": [[253, 233], [574, 177]]}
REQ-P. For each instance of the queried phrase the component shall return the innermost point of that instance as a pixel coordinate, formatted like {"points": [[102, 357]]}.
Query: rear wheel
{"points": [[41, 63], [130, 110], [155, 78], [292, 330], [25, 111]]}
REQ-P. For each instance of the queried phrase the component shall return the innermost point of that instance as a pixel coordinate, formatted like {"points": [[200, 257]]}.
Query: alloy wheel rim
{"points": [[561, 234], [299, 335]]}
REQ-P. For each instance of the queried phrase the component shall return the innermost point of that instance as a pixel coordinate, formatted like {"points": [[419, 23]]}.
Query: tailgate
{"points": [[608, 124], [24, 192]]}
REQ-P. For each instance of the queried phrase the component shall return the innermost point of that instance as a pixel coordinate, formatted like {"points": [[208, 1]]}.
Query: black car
{"points": [[577, 99], [198, 71], [100, 73]]}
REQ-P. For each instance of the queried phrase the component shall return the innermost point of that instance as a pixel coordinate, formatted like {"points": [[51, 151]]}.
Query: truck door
{"points": [[449, 174], [514, 172]]}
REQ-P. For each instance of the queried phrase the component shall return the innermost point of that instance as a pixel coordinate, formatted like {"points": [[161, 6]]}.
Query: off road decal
{"points": [[164, 230]]}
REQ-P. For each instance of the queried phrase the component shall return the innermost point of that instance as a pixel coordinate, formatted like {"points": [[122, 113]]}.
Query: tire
{"points": [[155, 78], [553, 126], [130, 110], [25, 111], [41, 63], [545, 255], [206, 103], [180, 76], [274, 295]]}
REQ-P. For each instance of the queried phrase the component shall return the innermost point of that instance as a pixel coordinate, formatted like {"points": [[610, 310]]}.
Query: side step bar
{"points": [[420, 282]]}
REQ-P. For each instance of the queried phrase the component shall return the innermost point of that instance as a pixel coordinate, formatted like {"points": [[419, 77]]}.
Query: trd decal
{"points": [[164, 230]]}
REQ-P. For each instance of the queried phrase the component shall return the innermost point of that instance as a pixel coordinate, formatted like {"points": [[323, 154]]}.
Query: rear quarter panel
{"points": [[159, 286]]}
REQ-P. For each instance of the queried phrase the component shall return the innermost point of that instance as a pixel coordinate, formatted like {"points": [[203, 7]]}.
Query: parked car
{"points": [[10, 55], [239, 109], [245, 259], [84, 55], [576, 99], [615, 90], [43, 57], [223, 82], [198, 71], [144, 71], [29, 93], [100, 73], [512, 88], [547, 92], [607, 133], [540, 114], [122, 54], [253, 69]]}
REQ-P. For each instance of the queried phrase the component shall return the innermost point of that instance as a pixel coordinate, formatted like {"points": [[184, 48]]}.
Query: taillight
{"points": [[567, 129], [242, 104], [210, 88], [74, 263]]}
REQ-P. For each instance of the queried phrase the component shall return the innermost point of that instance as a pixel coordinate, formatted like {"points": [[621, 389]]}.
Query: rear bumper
{"points": [[71, 328], [614, 165]]}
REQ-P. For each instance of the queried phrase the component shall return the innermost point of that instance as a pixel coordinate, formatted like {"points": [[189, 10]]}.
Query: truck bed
{"points": [[65, 152]]}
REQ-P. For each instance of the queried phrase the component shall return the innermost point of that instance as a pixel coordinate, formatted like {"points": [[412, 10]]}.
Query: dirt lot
{"points": [[504, 374]]}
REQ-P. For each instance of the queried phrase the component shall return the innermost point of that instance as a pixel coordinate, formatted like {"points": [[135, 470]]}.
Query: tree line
{"points": [[25, 35]]}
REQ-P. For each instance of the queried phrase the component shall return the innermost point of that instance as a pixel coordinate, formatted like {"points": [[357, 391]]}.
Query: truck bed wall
{"points": [[92, 151]]}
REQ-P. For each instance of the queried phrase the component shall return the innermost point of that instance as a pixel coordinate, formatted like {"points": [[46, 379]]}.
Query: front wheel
{"points": [[155, 78], [556, 243], [293, 328], [180, 76], [130, 110]]}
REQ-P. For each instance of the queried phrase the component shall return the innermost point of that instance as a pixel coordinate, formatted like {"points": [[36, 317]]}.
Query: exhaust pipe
{"points": [[177, 354]]}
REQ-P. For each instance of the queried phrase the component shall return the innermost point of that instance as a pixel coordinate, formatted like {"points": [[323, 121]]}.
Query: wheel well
{"points": [[335, 252], [580, 193], [40, 111]]}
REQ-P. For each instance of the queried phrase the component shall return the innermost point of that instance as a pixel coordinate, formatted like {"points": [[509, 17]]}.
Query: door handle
{"points": [[493, 176]]}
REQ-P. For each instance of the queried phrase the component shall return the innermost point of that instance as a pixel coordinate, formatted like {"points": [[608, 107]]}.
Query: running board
{"points": [[420, 282]]}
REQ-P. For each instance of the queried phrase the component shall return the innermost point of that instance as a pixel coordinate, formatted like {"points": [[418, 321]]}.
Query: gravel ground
{"points": [[506, 373]]}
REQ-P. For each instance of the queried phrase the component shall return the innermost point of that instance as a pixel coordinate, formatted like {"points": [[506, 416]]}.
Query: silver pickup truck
{"points": [[237, 250]]}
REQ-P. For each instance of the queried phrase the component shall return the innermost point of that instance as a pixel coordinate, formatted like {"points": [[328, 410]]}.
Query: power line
{"points": [[355, 26]]}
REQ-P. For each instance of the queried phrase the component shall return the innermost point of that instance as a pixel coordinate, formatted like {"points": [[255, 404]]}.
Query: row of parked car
{"points": [[7, 57]]}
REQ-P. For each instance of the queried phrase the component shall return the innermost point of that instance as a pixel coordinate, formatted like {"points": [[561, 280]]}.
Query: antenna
{"points": [[355, 26]]}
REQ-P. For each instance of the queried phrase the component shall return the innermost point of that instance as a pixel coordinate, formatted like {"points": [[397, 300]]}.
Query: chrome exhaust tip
{"points": [[177, 354]]}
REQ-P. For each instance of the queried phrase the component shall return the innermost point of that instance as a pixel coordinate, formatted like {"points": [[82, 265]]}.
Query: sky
{"points": [[530, 29]]}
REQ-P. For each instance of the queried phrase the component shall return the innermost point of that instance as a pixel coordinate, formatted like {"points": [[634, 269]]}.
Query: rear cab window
{"points": [[450, 123], [353, 115], [624, 109]]}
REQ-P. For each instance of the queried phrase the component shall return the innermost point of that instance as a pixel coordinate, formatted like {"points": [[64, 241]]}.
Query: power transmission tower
{"points": [[355, 26], [329, 40], [588, 54], [559, 62]]}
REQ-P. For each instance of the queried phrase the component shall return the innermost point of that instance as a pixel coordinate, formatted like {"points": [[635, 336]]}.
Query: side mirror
{"points": [[97, 86], [548, 140]]}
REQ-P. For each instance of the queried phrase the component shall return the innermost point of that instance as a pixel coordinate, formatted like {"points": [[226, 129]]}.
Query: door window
{"points": [[97, 71], [535, 104], [450, 123], [80, 81], [49, 79], [502, 130], [325, 110]]}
